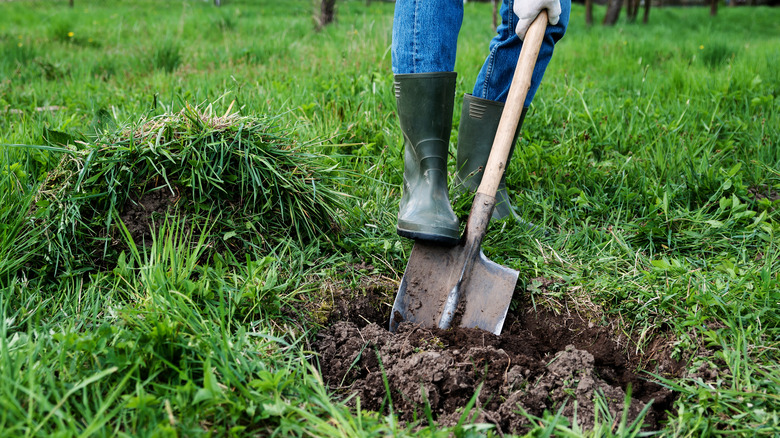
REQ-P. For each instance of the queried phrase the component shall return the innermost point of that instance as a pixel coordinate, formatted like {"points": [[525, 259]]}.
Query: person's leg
{"points": [[425, 34], [496, 75], [482, 110], [479, 120]]}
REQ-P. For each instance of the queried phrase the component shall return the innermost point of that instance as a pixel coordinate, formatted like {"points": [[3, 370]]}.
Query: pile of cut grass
{"points": [[247, 176]]}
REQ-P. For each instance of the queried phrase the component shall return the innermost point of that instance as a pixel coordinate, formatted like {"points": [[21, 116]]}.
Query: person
{"points": [[424, 43]]}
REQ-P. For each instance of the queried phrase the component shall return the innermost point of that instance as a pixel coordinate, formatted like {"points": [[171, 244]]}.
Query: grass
{"points": [[201, 164], [651, 152]]}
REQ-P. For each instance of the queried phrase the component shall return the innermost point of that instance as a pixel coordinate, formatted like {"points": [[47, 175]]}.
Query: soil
{"points": [[543, 361], [140, 214], [764, 192]]}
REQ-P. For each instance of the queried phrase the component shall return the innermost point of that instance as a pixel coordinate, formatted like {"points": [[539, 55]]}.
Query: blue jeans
{"points": [[425, 36]]}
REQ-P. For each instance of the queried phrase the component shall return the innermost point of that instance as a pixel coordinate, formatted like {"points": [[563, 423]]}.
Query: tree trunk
{"points": [[70, 3], [613, 12], [632, 10], [713, 8], [327, 12], [647, 12], [589, 12]]}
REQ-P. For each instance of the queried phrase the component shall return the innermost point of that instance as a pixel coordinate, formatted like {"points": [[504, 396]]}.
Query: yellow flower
{"points": [[20, 44], [701, 47], [20, 37], [70, 34]]}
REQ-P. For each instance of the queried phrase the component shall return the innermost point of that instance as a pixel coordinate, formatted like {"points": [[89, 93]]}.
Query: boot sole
{"points": [[443, 239]]}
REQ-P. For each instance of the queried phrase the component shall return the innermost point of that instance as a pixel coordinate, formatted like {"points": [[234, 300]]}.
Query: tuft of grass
{"points": [[223, 21], [17, 52], [717, 53], [167, 56], [21, 239], [606, 424], [62, 31], [106, 68]]}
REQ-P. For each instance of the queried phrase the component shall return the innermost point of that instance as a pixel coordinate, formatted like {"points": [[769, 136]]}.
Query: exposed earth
{"points": [[543, 361], [139, 214]]}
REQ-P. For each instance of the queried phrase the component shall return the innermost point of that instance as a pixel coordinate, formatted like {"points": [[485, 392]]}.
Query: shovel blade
{"points": [[485, 295], [430, 275], [445, 285]]}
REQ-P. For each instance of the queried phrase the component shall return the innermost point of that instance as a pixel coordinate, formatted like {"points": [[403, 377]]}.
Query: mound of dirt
{"points": [[542, 362]]}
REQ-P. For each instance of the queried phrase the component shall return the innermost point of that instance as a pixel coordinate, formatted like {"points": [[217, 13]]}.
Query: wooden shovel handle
{"points": [[507, 126]]}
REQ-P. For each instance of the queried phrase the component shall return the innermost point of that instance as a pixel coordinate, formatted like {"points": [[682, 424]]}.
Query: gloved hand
{"points": [[527, 10]]}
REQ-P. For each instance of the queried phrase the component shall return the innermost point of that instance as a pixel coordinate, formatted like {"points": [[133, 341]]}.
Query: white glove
{"points": [[527, 10]]}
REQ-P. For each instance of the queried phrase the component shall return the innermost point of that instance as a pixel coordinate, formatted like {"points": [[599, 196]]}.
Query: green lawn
{"points": [[651, 152]]}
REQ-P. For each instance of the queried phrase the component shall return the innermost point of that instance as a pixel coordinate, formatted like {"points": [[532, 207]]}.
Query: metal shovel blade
{"points": [[488, 292], [430, 275], [445, 286]]}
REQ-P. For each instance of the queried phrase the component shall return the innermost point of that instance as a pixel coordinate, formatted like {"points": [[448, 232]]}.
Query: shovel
{"points": [[458, 285]]}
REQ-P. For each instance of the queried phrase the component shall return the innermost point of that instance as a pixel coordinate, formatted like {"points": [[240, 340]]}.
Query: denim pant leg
{"points": [[496, 75], [425, 35]]}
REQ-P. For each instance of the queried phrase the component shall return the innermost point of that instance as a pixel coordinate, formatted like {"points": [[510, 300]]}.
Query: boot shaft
{"points": [[425, 103], [478, 125]]}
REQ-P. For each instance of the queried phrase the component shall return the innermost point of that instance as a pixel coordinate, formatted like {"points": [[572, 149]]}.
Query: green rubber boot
{"points": [[425, 102], [478, 125]]}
